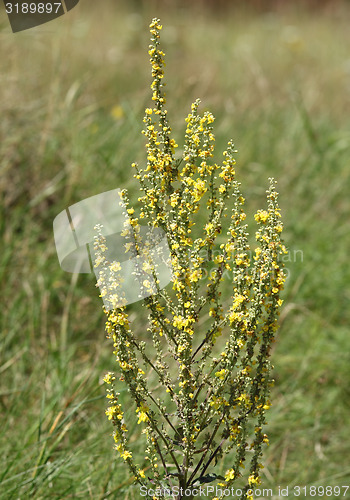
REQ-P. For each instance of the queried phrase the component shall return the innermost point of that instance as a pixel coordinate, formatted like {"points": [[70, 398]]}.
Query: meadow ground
{"points": [[73, 94]]}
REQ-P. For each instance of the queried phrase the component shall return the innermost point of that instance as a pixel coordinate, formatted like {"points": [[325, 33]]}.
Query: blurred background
{"points": [[276, 75]]}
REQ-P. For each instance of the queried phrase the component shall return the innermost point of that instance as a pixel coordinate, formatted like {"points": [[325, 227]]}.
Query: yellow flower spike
{"points": [[198, 317]]}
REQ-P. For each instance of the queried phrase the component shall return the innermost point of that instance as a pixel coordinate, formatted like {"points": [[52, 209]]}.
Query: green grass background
{"points": [[278, 82]]}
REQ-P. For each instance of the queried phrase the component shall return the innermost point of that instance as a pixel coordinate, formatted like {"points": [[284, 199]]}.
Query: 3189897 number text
{"points": [[33, 8]]}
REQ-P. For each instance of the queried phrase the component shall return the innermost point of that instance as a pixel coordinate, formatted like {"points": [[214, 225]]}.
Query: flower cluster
{"points": [[206, 390]]}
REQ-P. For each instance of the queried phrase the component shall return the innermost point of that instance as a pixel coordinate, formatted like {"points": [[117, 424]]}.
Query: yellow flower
{"points": [[181, 322], [221, 374], [147, 267], [195, 275], [238, 301], [234, 316], [120, 318], [113, 411], [125, 366], [209, 227], [108, 378], [218, 259], [199, 189], [230, 474], [244, 398], [117, 112], [253, 480], [218, 402], [261, 216], [174, 199], [99, 259], [141, 413], [115, 267], [126, 454], [240, 259]]}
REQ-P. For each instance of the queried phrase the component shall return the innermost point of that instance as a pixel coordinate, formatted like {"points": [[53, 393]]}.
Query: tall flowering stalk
{"points": [[200, 384]]}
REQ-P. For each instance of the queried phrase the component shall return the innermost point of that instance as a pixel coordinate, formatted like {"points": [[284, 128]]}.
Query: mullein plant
{"points": [[199, 386]]}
